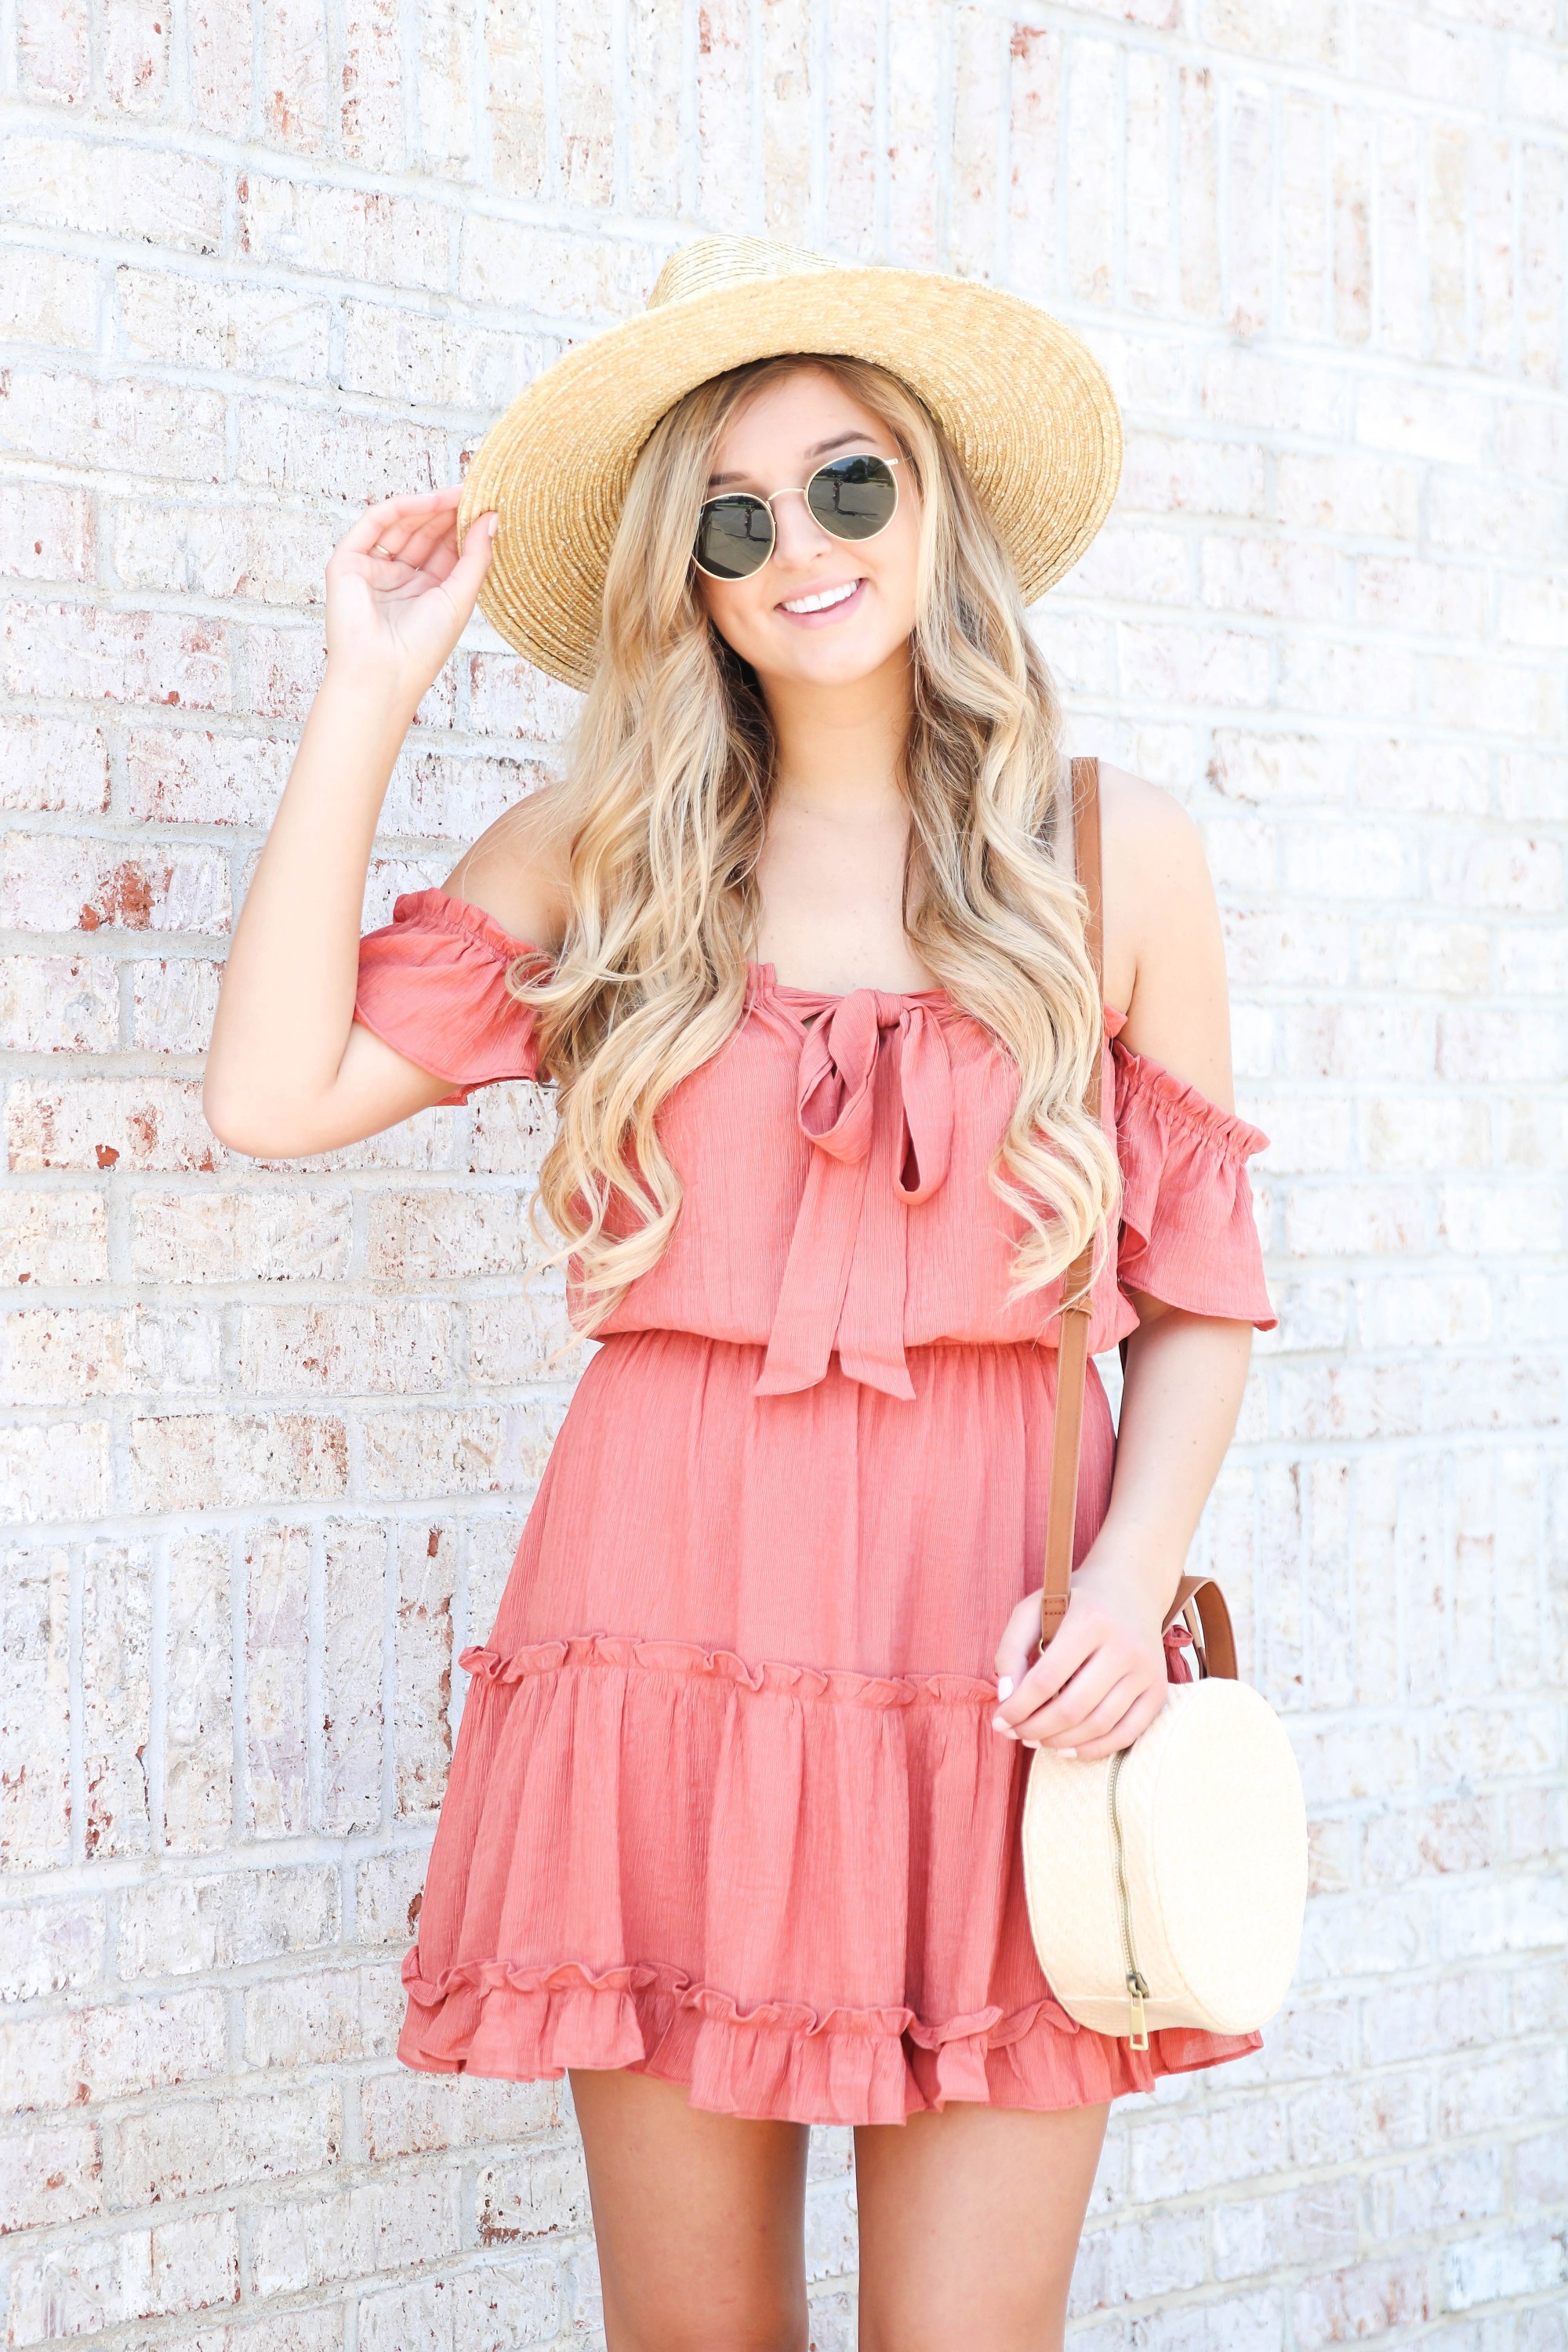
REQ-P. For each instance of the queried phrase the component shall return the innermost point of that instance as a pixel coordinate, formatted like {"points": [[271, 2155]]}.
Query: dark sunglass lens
{"points": [[853, 498], [734, 537]]}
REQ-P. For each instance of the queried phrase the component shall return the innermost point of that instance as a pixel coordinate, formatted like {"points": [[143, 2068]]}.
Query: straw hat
{"points": [[1026, 404]]}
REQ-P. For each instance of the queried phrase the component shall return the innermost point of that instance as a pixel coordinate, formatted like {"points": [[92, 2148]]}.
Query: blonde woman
{"points": [[731, 1830]]}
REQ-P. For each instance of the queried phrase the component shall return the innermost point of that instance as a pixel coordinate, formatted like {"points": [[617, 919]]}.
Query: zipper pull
{"points": [[1137, 1994]]}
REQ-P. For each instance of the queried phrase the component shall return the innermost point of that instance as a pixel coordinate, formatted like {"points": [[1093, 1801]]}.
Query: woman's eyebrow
{"points": [[839, 441]]}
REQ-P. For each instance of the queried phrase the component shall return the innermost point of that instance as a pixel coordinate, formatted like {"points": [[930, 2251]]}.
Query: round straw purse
{"points": [[1166, 1883]]}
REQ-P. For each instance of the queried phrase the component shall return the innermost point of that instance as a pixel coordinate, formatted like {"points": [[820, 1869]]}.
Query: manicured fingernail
{"points": [[998, 1725], [495, 524], [1067, 1751], [1004, 1686]]}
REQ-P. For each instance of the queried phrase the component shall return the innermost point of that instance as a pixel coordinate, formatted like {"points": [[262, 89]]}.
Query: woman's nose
{"points": [[797, 534]]}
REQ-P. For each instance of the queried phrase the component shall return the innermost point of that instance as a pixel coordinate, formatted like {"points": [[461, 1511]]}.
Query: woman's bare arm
{"points": [[1103, 1679], [289, 1070]]}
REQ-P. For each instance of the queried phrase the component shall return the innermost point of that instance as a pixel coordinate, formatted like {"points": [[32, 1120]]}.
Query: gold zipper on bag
{"points": [[1136, 1990]]}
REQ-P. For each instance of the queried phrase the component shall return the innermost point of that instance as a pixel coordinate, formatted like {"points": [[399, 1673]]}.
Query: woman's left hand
{"points": [[1100, 1681]]}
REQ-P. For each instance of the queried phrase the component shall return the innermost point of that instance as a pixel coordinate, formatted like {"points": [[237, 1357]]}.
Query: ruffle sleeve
{"points": [[432, 984], [1188, 1235]]}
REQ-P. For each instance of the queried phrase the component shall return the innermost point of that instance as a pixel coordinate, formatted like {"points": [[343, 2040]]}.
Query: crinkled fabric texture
{"points": [[432, 983], [725, 1805]]}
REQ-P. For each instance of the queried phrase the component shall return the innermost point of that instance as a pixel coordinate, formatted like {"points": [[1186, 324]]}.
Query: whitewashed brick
{"points": [[116, 1667], [329, 453], [388, 1892], [1436, 600], [196, 1925], [116, 425], [53, 1354], [50, 882], [178, 2266], [58, 1004], [172, 1003], [51, 2177], [192, 2148], [206, 325], [79, 2056], [343, 232], [1505, 2263], [35, 1783], [370, 112], [382, 2224], [192, 775], [514, 51], [1366, 2299], [568, 277], [53, 1945], [331, 2014], [218, 552], [1138, 2255], [520, 2200], [1474, 516], [356, 1569], [54, 51], [405, 2113], [436, 362], [97, 187], [178, 1459], [198, 1737], [54, 764], [427, 1574], [85, 650], [1356, 498]]}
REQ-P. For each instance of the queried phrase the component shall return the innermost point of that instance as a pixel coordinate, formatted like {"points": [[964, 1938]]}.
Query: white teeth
{"points": [[820, 603]]}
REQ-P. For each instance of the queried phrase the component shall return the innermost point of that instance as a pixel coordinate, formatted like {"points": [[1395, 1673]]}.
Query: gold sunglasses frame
{"points": [[792, 490]]}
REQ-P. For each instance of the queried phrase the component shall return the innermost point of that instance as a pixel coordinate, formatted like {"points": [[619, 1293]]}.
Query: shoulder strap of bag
{"points": [[1196, 1596], [1072, 1357]]}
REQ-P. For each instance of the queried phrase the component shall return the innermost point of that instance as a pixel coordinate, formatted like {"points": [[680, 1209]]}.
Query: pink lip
{"points": [[830, 612]]}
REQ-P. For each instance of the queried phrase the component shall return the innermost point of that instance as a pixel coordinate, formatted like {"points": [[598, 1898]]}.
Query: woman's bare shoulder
{"points": [[1164, 948], [1144, 827], [518, 870]]}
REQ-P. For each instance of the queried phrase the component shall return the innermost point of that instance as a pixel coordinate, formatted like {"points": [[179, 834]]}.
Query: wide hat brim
{"points": [[1025, 402]]}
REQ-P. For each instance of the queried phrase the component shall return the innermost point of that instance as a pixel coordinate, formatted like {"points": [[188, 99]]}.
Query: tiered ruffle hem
{"points": [[708, 1814]]}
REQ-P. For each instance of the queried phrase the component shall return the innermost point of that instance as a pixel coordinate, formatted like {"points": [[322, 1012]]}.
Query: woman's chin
{"points": [[819, 659]]}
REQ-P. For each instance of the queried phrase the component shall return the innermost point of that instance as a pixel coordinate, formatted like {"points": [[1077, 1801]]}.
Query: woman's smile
{"points": [[823, 604]]}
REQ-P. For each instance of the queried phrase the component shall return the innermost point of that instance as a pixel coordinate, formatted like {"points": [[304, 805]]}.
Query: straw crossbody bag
{"points": [[1165, 1884]]}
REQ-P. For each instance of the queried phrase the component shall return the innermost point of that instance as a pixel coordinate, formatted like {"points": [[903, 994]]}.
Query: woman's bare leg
{"points": [[700, 2218], [969, 2224]]}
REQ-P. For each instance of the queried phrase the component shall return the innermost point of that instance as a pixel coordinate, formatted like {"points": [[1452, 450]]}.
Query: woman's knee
{"points": [[765, 2326]]}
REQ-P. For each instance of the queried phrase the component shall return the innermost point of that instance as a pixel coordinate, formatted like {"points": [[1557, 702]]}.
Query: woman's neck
{"points": [[841, 748], [831, 874]]}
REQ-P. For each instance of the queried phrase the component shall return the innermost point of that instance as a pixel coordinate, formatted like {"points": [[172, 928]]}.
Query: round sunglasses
{"points": [[851, 498]]}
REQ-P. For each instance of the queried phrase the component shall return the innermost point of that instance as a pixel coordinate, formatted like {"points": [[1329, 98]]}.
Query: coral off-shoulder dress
{"points": [[726, 1805]]}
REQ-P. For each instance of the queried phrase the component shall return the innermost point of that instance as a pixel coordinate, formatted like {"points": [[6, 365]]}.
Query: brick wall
{"points": [[272, 1429]]}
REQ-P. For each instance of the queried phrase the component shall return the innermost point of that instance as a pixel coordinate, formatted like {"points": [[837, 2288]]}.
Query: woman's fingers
{"points": [[390, 524], [1013, 1651], [473, 562], [1062, 1656], [1133, 1726], [1059, 1719], [417, 545], [1101, 1708]]}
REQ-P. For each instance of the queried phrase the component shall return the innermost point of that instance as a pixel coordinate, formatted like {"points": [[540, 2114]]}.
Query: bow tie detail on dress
{"points": [[874, 1096]]}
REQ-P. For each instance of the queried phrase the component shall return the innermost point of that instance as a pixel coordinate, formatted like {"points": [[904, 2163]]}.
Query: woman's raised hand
{"points": [[399, 593]]}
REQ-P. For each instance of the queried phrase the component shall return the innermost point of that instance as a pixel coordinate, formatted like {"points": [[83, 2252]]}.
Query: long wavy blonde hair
{"points": [[662, 813]]}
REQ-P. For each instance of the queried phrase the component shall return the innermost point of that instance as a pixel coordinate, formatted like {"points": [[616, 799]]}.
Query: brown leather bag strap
{"points": [[1072, 1357], [1200, 1597]]}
